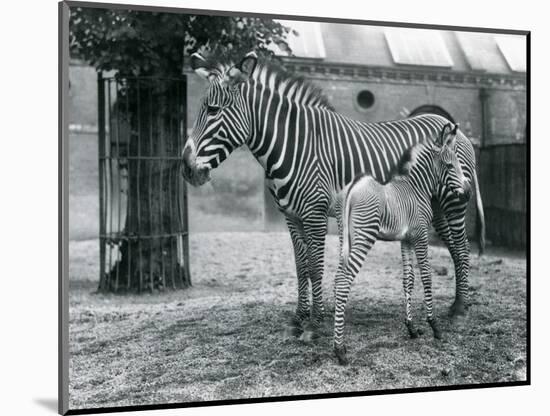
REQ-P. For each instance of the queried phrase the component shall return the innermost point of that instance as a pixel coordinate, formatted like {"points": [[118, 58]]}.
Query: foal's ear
{"points": [[455, 130], [200, 65], [450, 139], [444, 132]]}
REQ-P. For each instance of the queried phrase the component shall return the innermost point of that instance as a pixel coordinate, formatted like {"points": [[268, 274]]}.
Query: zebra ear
{"points": [[248, 63], [244, 69], [450, 139], [444, 133], [200, 65], [455, 130]]}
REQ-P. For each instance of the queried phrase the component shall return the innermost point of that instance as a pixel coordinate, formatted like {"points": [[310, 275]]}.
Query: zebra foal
{"points": [[399, 210]]}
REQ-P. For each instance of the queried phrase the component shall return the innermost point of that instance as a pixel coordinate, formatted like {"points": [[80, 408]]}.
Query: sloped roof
{"points": [[408, 47]]}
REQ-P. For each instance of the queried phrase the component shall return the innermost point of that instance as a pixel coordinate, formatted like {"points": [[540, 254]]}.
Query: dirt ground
{"points": [[223, 338]]}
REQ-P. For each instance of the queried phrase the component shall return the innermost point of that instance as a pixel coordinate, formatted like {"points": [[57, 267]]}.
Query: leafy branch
{"points": [[153, 43]]}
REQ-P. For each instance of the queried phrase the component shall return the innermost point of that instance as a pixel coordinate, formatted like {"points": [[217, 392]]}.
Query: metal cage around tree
{"points": [[144, 240]]}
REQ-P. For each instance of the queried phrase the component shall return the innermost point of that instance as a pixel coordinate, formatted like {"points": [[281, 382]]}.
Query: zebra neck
{"points": [[279, 131], [419, 181]]}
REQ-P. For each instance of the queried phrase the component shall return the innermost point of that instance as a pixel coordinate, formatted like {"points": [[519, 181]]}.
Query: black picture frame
{"points": [[63, 291]]}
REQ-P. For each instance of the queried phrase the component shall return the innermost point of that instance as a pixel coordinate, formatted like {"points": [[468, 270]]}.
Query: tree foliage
{"points": [[144, 43]]}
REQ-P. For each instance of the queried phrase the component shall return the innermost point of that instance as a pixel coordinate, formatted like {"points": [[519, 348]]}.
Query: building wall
{"points": [[393, 100], [82, 96], [507, 117]]}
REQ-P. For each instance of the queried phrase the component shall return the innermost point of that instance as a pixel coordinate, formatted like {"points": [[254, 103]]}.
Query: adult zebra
{"points": [[309, 153]]}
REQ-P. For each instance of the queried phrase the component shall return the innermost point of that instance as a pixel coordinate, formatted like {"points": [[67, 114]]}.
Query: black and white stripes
{"points": [[309, 153], [399, 210]]}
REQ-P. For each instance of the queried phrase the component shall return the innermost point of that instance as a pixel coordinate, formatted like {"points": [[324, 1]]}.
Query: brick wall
{"points": [[392, 100], [507, 117]]}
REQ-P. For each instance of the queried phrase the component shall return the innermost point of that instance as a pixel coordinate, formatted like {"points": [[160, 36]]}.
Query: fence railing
{"points": [[504, 188], [144, 241]]}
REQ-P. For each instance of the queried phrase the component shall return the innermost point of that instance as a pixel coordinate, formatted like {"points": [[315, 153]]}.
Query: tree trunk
{"points": [[145, 205]]}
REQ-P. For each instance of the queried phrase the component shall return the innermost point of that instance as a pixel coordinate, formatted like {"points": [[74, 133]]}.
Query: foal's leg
{"points": [[363, 239], [342, 286], [421, 249], [408, 285]]}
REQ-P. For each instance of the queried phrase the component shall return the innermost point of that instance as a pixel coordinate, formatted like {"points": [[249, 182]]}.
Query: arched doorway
{"points": [[432, 109]]}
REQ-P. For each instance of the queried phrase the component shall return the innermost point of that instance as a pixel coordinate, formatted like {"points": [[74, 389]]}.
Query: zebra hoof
{"points": [[413, 332], [435, 329], [341, 355], [310, 333], [308, 336], [292, 331], [458, 308]]}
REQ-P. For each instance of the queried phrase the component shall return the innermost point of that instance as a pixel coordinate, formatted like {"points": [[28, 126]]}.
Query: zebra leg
{"points": [[294, 327], [345, 275], [315, 231], [455, 239], [339, 312], [421, 249], [462, 265], [342, 285], [340, 233], [442, 228], [408, 285]]}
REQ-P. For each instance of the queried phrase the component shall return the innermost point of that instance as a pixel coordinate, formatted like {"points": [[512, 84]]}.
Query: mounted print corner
{"points": [[257, 207]]}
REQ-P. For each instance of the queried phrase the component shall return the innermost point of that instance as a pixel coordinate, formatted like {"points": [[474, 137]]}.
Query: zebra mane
{"points": [[410, 156], [408, 160], [270, 72], [294, 87]]}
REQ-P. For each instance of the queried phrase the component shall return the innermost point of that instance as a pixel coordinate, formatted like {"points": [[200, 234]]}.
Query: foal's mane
{"points": [[408, 160]]}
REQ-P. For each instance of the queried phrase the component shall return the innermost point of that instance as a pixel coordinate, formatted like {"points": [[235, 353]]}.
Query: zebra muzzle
{"points": [[192, 172], [463, 193], [196, 176]]}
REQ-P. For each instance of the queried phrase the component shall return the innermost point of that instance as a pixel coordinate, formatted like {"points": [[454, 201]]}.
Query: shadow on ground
{"points": [[223, 339]]}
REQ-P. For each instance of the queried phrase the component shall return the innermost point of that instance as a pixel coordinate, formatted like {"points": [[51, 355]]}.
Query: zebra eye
{"points": [[212, 110]]}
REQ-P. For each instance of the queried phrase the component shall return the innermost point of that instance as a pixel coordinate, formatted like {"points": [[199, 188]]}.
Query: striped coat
{"points": [[309, 153]]}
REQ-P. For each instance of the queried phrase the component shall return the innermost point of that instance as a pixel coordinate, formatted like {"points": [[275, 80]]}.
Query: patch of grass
{"points": [[223, 338]]}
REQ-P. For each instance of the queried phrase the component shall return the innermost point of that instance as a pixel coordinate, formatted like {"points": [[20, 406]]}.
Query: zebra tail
{"points": [[480, 216], [346, 236]]}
